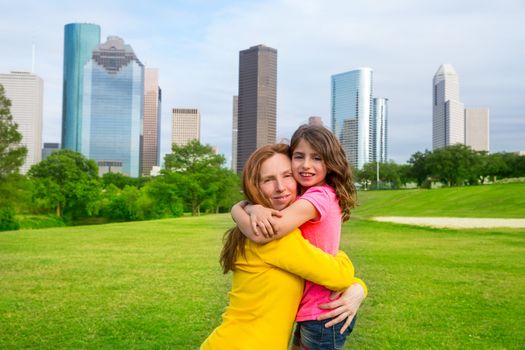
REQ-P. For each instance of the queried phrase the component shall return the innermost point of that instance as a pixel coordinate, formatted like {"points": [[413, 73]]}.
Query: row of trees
{"points": [[68, 184], [455, 165]]}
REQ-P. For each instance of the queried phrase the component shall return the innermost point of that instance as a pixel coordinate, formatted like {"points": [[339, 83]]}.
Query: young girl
{"points": [[327, 194]]}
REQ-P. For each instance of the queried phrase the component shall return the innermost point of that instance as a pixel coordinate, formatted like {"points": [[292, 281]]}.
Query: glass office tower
{"points": [[79, 41], [351, 112], [113, 107], [378, 130]]}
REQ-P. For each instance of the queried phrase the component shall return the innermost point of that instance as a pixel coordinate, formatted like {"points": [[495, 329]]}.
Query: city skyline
{"points": [[196, 46]]}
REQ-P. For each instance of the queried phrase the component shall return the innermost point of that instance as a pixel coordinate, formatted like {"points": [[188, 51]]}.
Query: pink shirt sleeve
{"points": [[320, 199]]}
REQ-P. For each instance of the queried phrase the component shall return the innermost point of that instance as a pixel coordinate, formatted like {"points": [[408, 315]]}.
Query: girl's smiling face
{"points": [[308, 166]]}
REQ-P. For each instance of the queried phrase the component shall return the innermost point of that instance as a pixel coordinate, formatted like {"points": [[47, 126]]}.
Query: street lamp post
{"points": [[377, 175]]}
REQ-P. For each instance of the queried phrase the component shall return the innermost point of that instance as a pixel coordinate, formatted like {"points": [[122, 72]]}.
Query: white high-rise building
{"points": [[186, 125], [25, 90], [351, 113], [378, 130], [451, 122], [448, 120], [477, 128], [235, 125]]}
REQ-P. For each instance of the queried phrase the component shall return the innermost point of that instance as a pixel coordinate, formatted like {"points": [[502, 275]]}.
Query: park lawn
{"points": [[487, 201], [120, 286], [438, 288], [157, 284]]}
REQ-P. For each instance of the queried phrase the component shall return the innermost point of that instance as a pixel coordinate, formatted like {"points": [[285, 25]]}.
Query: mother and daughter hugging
{"points": [[284, 251]]}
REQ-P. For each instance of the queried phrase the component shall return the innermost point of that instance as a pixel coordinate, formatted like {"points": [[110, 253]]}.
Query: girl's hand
{"points": [[261, 219], [344, 307]]}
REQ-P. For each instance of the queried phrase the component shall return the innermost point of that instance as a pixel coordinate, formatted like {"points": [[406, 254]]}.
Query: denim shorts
{"points": [[312, 335]]}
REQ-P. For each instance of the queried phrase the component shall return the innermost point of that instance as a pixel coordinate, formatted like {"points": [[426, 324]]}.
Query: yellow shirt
{"points": [[267, 288]]}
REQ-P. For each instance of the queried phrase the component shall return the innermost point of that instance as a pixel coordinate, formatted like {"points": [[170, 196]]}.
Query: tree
{"points": [[453, 165], [225, 193], [12, 156], [388, 175], [66, 182], [505, 165], [196, 172], [404, 174], [121, 180], [12, 152], [165, 195], [129, 203], [419, 170]]}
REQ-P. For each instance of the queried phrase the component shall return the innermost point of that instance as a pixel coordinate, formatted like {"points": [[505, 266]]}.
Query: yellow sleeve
{"points": [[295, 254]]}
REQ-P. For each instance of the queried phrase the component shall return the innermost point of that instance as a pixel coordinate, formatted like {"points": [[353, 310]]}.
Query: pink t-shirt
{"points": [[324, 233]]}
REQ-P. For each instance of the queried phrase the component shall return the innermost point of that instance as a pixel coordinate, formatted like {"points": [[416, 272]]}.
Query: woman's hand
{"points": [[344, 307], [261, 219]]}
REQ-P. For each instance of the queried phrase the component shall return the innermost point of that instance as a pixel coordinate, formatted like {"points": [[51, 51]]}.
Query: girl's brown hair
{"points": [[338, 172], [234, 241]]}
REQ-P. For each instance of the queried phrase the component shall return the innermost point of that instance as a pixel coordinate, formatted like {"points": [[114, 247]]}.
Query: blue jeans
{"points": [[312, 335]]}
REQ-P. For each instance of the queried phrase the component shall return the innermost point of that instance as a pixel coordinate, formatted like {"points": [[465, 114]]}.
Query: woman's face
{"points": [[277, 182]]}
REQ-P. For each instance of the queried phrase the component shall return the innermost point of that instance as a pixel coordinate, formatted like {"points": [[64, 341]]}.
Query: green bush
{"points": [[7, 219], [40, 221]]}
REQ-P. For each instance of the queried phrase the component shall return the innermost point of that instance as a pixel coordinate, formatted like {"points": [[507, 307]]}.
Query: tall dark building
{"points": [[257, 106]]}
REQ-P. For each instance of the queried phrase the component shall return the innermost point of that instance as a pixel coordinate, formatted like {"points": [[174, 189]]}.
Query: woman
{"points": [[268, 279]]}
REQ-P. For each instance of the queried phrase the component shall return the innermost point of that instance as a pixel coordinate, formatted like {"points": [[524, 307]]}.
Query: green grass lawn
{"points": [[488, 201], [158, 285]]}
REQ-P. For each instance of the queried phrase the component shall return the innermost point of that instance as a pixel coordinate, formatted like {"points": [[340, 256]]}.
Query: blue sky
{"points": [[195, 45]]}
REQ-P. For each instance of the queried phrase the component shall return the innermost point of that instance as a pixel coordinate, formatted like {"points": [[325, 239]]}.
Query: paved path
{"points": [[454, 222]]}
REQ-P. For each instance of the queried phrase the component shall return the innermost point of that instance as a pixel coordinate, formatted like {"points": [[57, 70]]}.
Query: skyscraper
{"points": [[448, 120], [451, 121], [25, 90], [150, 149], [186, 125], [235, 125], [79, 41], [351, 113], [257, 100], [113, 106], [477, 128], [378, 130]]}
